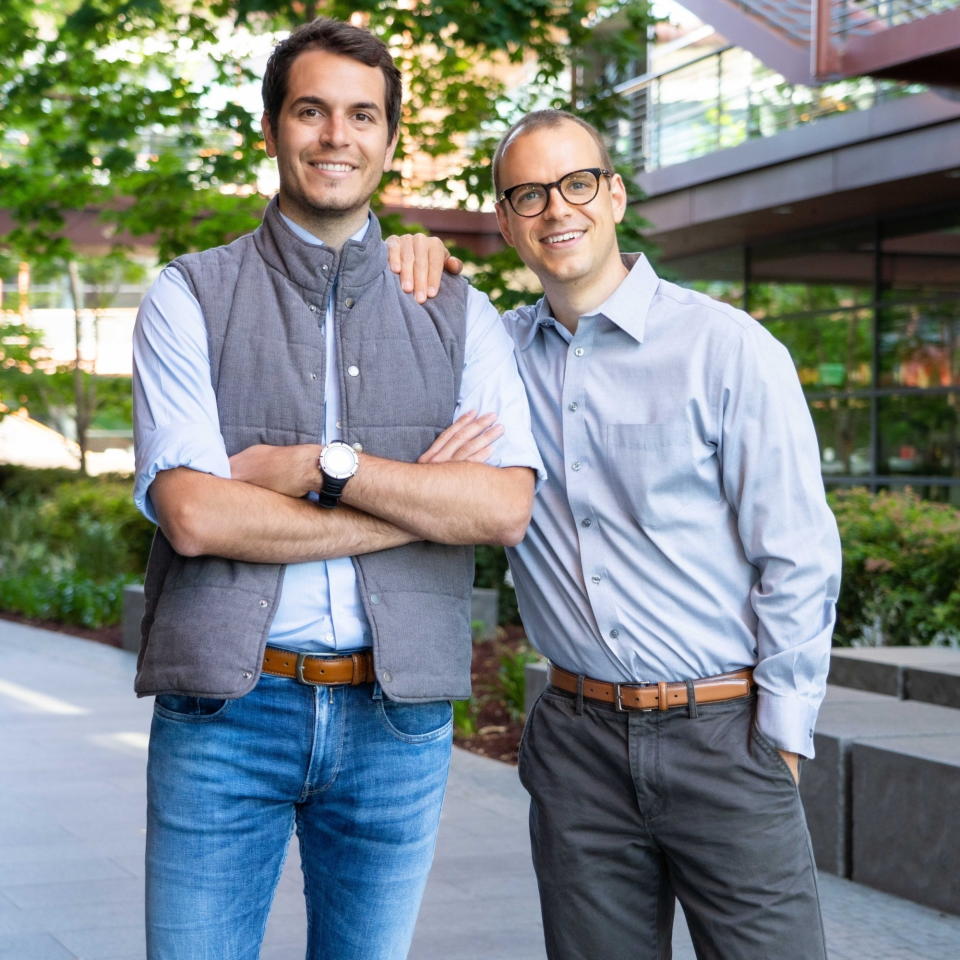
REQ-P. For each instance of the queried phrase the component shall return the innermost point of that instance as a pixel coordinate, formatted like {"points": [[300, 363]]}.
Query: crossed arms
{"points": [[259, 515]]}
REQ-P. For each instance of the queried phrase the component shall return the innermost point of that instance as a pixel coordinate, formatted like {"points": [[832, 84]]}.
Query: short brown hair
{"points": [[334, 36], [545, 118]]}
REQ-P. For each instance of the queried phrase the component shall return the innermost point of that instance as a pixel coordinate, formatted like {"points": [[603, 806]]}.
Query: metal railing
{"points": [[793, 17], [725, 98]]}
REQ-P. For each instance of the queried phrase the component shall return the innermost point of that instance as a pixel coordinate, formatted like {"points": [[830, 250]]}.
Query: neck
{"points": [[333, 227], [571, 300]]}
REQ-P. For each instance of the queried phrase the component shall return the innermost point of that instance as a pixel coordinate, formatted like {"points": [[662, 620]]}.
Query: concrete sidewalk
{"points": [[72, 751]]}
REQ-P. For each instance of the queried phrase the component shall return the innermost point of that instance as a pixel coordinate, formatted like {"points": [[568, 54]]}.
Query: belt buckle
{"points": [[618, 701], [301, 658]]}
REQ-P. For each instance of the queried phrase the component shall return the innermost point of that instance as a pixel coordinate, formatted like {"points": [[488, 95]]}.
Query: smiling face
{"points": [[331, 143], [571, 248]]}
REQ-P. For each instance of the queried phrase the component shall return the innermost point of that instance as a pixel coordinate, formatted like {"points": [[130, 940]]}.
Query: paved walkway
{"points": [[72, 749]]}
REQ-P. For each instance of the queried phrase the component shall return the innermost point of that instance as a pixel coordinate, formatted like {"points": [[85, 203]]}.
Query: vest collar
{"points": [[311, 266]]}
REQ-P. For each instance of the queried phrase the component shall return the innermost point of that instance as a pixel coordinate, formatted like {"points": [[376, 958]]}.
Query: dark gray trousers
{"points": [[630, 811]]}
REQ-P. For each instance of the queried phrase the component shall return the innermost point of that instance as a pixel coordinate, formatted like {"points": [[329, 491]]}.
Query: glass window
{"points": [[920, 344], [919, 434], [843, 429], [832, 351]]}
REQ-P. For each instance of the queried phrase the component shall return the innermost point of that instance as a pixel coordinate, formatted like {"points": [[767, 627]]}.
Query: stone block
{"points": [[132, 615], [939, 683], [534, 680], [869, 669], [905, 796], [930, 674], [849, 716], [484, 612]]}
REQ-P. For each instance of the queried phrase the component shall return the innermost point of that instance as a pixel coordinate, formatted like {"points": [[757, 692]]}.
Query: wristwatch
{"points": [[338, 462]]}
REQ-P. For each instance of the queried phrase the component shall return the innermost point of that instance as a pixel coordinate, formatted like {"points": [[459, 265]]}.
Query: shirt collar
{"points": [[626, 307], [308, 237]]}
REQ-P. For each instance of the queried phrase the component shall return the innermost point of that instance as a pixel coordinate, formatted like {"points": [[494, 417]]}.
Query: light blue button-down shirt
{"points": [[682, 531], [176, 425]]}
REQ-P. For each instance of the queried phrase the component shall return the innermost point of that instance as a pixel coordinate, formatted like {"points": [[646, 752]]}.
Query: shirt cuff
{"points": [[787, 722], [182, 445]]}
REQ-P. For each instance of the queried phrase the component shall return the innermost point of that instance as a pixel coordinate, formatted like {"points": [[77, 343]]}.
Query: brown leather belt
{"points": [[350, 669], [656, 695]]}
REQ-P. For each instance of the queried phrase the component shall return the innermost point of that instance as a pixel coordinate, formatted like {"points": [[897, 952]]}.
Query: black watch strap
{"points": [[330, 492]]}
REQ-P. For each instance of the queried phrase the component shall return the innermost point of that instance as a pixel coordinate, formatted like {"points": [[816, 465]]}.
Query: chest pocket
{"points": [[658, 468]]}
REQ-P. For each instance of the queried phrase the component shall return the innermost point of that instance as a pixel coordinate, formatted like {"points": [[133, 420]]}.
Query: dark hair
{"points": [[334, 36], [545, 118]]}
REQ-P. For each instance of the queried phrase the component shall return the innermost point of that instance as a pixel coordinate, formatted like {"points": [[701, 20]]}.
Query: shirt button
{"points": [[358, 447], [325, 267], [614, 633], [329, 638], [353, 371], [349, 301], [313, 376], [313, 308], [386, 676], [579, 352], [246, 674], [572, 407], [586, 522], [575, 465], [595, 579], [264, 603], [339, 424], [374, 598]]}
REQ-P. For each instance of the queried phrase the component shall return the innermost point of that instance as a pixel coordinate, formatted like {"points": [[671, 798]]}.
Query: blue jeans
{"points": [[360, 777]]}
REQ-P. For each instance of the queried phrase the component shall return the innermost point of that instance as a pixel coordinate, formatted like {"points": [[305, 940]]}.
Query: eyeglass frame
{"points": [[598, 172]]}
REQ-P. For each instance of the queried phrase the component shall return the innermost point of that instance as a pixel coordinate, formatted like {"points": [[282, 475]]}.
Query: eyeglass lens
{"points": [[578, 187]]}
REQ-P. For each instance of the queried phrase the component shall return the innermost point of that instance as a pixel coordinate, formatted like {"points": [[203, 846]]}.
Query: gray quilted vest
{"points": [[264, 299]]}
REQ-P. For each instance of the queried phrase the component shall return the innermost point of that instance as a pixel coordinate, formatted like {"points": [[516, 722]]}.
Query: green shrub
{"points": [[491, 566], [901, 569], [68, 546], [512, 679]]}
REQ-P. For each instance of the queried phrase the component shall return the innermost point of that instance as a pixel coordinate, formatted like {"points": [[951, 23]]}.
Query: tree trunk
{"points": [[82, 403]]}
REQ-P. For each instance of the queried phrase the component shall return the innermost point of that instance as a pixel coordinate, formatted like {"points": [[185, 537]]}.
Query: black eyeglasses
{"points": [[531, 199]]}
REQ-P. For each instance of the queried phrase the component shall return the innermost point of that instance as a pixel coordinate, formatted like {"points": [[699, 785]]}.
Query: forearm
{"points": [[205, 515], [450, 502]]}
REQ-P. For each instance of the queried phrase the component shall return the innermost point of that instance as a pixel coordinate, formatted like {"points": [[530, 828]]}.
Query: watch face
{"points": [[338, 461]]}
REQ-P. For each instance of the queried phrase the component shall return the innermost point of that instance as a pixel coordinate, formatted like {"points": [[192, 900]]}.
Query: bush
{"points": [[68, 546], [901, 570]]}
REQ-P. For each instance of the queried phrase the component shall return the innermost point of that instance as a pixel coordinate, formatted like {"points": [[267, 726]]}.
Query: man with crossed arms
{"points": [[680, 572], [308, 594]]}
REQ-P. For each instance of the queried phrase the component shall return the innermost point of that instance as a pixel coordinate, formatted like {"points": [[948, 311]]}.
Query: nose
{"points": [[556, 205], [335, 132]]}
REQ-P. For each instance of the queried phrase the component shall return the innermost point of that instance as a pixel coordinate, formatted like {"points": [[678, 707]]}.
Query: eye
{"points": [[363, 117], [578, 184], [528, 193]]}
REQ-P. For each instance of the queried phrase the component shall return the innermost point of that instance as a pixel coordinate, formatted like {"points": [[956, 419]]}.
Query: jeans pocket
{"points": [[416, 722], [174, 706]]}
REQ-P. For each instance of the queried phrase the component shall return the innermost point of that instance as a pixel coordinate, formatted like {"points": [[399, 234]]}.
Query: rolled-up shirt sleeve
{"points": [[175, 421], [771, 475], [491, 384]]}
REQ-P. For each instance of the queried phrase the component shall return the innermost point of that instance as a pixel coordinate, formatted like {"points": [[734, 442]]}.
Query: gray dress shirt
{"points": [[683, 530]]}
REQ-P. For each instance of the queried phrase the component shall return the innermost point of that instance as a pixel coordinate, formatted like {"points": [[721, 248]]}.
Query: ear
{"points": [[618, 197], [503, 222], [268, 138], [391, 150]]}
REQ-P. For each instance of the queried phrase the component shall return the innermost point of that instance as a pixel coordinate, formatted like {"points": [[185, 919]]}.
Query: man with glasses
{"points": [[680, 573]]}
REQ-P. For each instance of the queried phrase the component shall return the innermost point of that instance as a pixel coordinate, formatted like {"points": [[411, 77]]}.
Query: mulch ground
{"points": [[497, 733]]}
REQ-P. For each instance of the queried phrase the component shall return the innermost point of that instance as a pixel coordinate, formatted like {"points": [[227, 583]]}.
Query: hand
{"points": [[469, 437], [793, 762], [290, 470], [420, 260]]}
